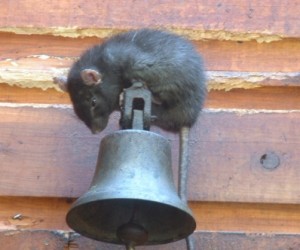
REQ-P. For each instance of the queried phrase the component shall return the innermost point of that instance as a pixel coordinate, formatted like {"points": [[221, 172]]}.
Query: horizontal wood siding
{"points": [[47, 151], [268, 98], [244, 178], [269, 16], [53, 240], [24, 213]]}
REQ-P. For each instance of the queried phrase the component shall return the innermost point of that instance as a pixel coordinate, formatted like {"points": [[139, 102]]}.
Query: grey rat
{"points": [[167, 64]]}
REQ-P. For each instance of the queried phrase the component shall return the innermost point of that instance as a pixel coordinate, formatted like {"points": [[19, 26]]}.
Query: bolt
{"points": [[270, 160]]}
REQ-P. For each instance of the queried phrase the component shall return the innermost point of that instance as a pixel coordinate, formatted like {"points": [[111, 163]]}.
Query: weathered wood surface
{"points": [[246, 217], [29, 213], [39, 239], [213, 241], [227, 163], [277, 18], [32, 61], [34, 148], [281, 56], [38, 73], [54, 240], [12, 94], [269, 98], [272, 98], [46, 154], [46, 151]]}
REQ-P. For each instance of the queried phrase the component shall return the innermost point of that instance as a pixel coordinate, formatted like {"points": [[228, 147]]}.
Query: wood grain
{"points": [[39, 73], [273, 98], [49, 162], [12, 94], [228, 151], [31, 239], [32, 213], [55, 240], [268, 17], [246, 217], [33, 61], [280, 56], [29, 213], [213, 241], [48, 152], [244, 177]]}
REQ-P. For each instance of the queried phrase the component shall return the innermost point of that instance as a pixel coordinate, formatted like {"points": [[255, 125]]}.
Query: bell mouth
{"points": [[102, 219], [132, 185]]}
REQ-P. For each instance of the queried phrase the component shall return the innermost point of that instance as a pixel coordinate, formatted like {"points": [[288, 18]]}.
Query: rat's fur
{"points": [[166, 63]]}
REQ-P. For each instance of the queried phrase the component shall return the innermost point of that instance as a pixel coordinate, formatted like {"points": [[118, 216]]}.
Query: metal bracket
{"points": [[136, 110]]}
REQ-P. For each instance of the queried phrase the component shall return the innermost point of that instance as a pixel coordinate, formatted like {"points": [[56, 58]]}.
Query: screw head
{"points": [[270, 160]]}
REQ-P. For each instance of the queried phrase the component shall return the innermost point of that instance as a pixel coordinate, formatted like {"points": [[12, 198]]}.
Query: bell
{"points": [[132, 199]]}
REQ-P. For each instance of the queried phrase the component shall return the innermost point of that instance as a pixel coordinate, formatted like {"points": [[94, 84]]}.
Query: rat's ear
{"points": [[61, 81], [91, 77]]}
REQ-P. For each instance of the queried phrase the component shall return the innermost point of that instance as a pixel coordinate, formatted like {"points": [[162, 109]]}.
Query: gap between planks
{"points": [[283, 56], [49, 214], [205, 110], [271, 98]]}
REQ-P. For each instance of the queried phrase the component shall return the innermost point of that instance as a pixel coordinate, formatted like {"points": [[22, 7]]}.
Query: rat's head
{"points": [[90, 98]]}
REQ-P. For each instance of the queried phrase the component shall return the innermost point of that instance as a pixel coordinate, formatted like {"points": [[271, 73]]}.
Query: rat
{"points": [[167, 64]]}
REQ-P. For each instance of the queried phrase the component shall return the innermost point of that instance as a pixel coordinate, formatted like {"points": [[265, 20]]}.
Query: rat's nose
{"points": [[98, 124], [97, 127], [96, 130]]}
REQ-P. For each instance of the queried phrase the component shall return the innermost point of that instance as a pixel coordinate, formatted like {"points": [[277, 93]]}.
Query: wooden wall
{"points": [[245, 165]]}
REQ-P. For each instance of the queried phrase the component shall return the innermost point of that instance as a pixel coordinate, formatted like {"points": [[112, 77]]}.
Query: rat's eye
{"points": [[93, 102]]}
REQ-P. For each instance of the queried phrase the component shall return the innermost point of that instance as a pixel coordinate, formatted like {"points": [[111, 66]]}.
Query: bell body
{"points": [[132, 196]]}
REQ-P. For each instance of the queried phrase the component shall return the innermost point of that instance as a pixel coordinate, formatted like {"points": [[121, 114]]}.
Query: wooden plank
{"points": [[274, 98], [281, 56], [48, 161], [34, 62], [211, 241], [29, 213], [39, 72], [28, 240], [267, 17], [21, 46], [246, 217], [54, 240], [250, 56], [14, 94], [23, 213], [47, 152], [236, 241], [231, 153]]}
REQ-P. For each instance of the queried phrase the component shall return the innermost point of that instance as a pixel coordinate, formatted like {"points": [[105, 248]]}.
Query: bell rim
{"points": [[186, 212]]}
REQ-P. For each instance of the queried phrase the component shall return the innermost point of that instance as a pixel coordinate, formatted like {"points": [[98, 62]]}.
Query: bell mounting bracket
{"points": [[136, 107]]}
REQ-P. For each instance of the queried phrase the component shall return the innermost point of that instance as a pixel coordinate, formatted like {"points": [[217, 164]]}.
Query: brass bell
{"points": [[132, 199]]}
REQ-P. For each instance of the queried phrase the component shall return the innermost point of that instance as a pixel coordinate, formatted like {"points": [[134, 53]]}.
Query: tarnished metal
{"points": [[136, 110], [132, 199]]}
